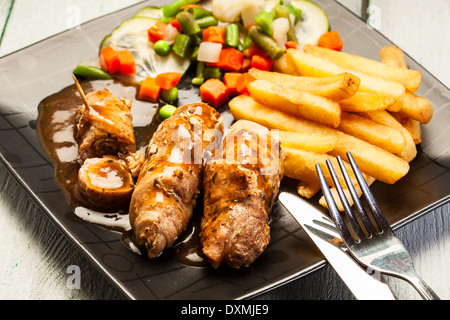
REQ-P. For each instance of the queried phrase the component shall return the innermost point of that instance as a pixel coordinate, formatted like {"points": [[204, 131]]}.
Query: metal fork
{"points": [[370, 240]]}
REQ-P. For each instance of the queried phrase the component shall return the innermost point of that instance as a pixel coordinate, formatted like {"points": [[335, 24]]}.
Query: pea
{"points": [[169, 96], [166, 111], [162, 48]]}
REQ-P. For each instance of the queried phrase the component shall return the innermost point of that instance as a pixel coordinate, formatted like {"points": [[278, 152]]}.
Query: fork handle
{"points": [[421, 286]]}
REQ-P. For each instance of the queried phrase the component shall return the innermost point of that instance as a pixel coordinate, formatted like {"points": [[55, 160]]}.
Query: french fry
{"points": [[320, 143], [411, 79], [413, 126], [413, 106], [297, 103], [281, 66], [367, 102], [311, 66], [244, 107], [378, 134], [393, 56], [339, 87], [374, 161], [301, 165], [308, 189], [417, 108], [384, 117]]}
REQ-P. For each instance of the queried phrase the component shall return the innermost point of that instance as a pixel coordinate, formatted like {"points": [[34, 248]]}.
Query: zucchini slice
{"points": [[314, 22], [132, 35]]}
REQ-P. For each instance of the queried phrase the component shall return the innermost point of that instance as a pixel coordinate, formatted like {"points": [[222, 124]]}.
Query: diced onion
{"points": [[232, 10], [209, 52], [280, 29], [171, 33]]}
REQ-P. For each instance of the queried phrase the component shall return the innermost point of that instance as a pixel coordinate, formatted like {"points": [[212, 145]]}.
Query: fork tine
{"points": [[373, 204], [356, 200], [347, 209], [332, 207]]}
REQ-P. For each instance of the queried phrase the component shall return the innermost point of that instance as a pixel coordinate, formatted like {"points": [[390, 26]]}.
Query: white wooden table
{"points": [[36, 255]]}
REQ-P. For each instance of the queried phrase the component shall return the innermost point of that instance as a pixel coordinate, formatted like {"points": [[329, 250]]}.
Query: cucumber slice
{"points": [[150, 12], [132, 35], [314, 22]]}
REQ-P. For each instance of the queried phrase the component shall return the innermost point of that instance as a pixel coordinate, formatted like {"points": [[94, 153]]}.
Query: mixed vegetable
{"points": [[221, 40]]}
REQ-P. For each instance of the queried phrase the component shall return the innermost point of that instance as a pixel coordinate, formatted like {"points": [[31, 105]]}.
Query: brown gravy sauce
{"points": [[56, 131]]}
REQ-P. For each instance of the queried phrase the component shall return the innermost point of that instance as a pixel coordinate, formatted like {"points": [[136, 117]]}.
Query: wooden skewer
{"points": [[80, 90]]}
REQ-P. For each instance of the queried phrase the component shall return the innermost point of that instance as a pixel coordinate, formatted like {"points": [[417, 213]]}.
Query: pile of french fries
{"points": [[327, 103]]}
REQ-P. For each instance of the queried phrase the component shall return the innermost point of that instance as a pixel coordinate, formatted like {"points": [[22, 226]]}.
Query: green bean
{"points": [[264, 21], [207, 21], [196, 39], [266, 43], [169, 96], [199, 78], [194, 54], [91, 72], [232, 35], [182, 45], [283, 12], [187, 23], [212, 73], [172, 9], [295, 11], [162, 48], [200, 13]]}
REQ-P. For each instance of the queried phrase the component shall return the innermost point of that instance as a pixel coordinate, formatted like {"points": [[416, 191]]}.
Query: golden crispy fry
{"points": [[378, 134], [312, 66], [339, 87], [308, 189], [413, 106], [301, 165], [367, 102], [244, 107], [297, 103], [281, 66], [374, 161], [320, 143], [393, 56], [411, 79], [384, 117], [417, 108], [335, 195], [413, 126]]}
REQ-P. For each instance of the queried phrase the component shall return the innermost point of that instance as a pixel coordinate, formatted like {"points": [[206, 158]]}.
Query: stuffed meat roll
{"points": [[104, 127], [166, 192], [240, 188]]}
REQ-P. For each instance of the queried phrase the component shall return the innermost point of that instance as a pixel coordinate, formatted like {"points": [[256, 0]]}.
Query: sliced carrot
{"points": [[331, 40], [214, 34], [168, 80], [254, 50], [149, 90], [291, 45], [109, 60], [176, 24], [231, 80], [189, 6], [214, 92], [243, 82], [246, 65], [157, 32], [230, 59], [262, 63], [127, 62]]}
